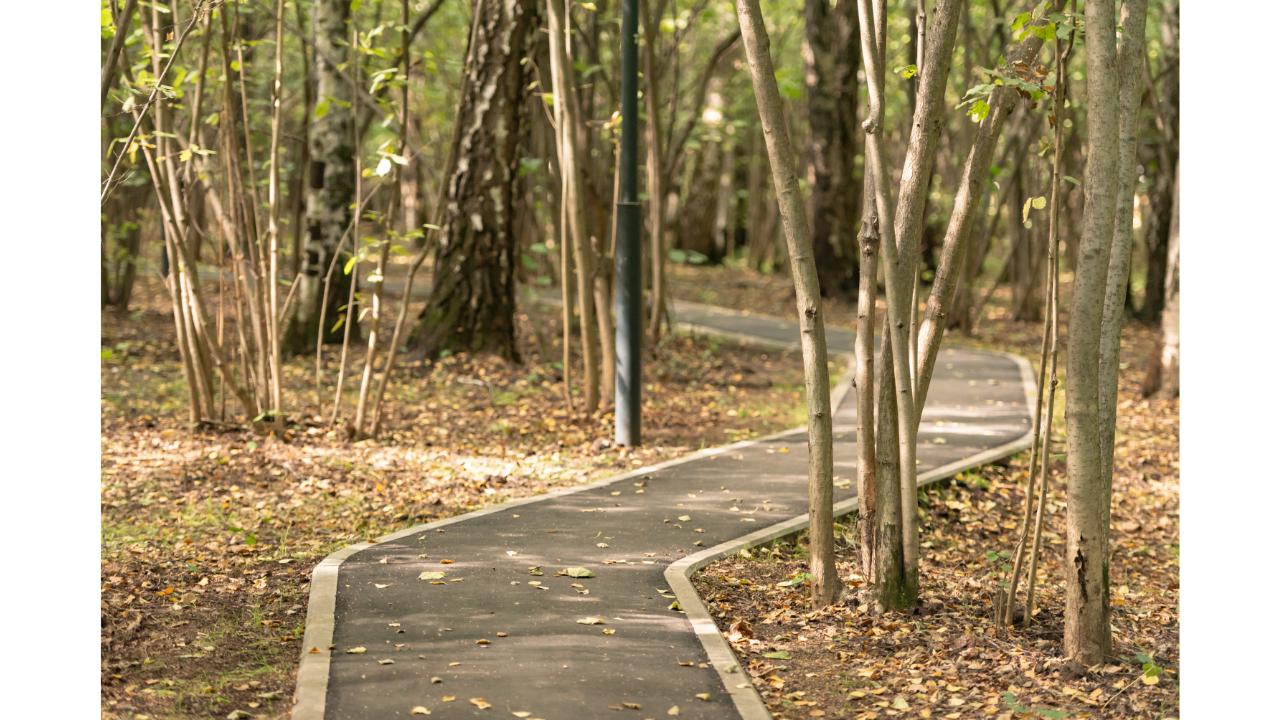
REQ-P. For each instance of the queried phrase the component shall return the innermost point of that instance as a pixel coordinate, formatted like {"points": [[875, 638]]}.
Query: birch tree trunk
{"points": [[1087, 636], [331, 182], [813, 344], [1170, 362], [473, 299]]}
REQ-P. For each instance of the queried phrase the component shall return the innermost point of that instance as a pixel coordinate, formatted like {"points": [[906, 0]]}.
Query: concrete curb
{"points": [[679, 575]]}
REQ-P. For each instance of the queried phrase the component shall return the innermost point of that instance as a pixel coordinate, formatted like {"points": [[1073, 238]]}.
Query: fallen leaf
{"points": [[446, 562], [449, 698], [816, 713], [631, 706], [480, 703], [432, 575], [386, 662], [314, 650], [355, 651], [578, 572], [238, 715], [591, 621], [780, 655], [511, 552], [436, 681], [684, 518], [502, 634], [675, 710], [393, 624], [419, 710], [521, 713], [704, 697], [609, 632], [381, 586], [676, 606], [482, 642], [602, 545]]}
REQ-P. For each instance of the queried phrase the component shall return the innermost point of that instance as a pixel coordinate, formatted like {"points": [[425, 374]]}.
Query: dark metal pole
{"points": [[627, 387]]}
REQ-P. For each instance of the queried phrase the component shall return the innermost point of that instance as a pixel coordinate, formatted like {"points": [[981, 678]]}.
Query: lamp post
{"points": [[627, 260]]}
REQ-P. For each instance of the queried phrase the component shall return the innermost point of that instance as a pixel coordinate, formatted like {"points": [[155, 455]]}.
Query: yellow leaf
{"points": [[419, 710], [1150, 679], [355, 651], [480, 703]]}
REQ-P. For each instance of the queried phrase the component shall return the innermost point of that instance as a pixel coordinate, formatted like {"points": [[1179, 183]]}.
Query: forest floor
{"points": [[209, 534], [951, 660]]}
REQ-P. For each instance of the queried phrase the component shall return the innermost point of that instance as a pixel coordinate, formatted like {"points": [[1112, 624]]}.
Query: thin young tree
{"points": [[566, 99], [826, 582], [1087, 636]]}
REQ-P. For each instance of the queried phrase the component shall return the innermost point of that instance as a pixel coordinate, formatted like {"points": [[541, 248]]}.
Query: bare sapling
{"points": [[375, 323], [825, 584], [1048, 349], [273, 230], [566, 99]]}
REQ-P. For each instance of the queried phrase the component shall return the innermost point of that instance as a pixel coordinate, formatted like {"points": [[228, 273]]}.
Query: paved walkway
{"points": [[491, 630]]}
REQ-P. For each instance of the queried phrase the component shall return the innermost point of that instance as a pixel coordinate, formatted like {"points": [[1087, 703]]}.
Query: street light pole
{"points": [[627, 259]]}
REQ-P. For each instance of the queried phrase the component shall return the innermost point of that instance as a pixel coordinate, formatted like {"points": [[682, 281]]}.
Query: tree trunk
{"points": [[826, 582], [331, 185], [571, 165], [1170, 364], [473, 300], [656, 180], [1087, 636], [830, 64], [1133, 18]]}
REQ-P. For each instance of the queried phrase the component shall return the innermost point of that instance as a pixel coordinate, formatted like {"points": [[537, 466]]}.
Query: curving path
{"points": [[631, 532]]}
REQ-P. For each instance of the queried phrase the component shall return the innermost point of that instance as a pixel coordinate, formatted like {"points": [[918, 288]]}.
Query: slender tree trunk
{"points": [[1088, 631], [901, 255], [864, 382], [297, 190], [1170, 362], [826, 581], [273, 227], [1133, 18], [657, 181], [473, 300], [571, 167]]}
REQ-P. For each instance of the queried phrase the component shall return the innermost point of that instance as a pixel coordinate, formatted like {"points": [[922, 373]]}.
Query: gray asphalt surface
{"points": [[626, 533]]}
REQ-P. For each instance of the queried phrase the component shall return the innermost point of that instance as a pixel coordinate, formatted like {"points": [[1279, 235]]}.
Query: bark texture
{"points": [[826, 581], [472, 303], [331, 183], [1087, 637], [830, 75]]}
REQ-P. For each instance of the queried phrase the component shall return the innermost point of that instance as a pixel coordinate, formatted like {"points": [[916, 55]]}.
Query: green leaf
{"points": [[250, 539], [1070, 179], [780, 655], [322, 109], [252, 445], [675, 606], [589, 6], [1044, 32], [991, 556], [578, 572], [351, 262], [906, 71], [980, 110], [1019, 21], [431, 576], [1038, 202]]}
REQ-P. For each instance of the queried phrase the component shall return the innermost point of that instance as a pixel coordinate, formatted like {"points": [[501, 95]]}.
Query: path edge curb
{"points": [[679, 575]]}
